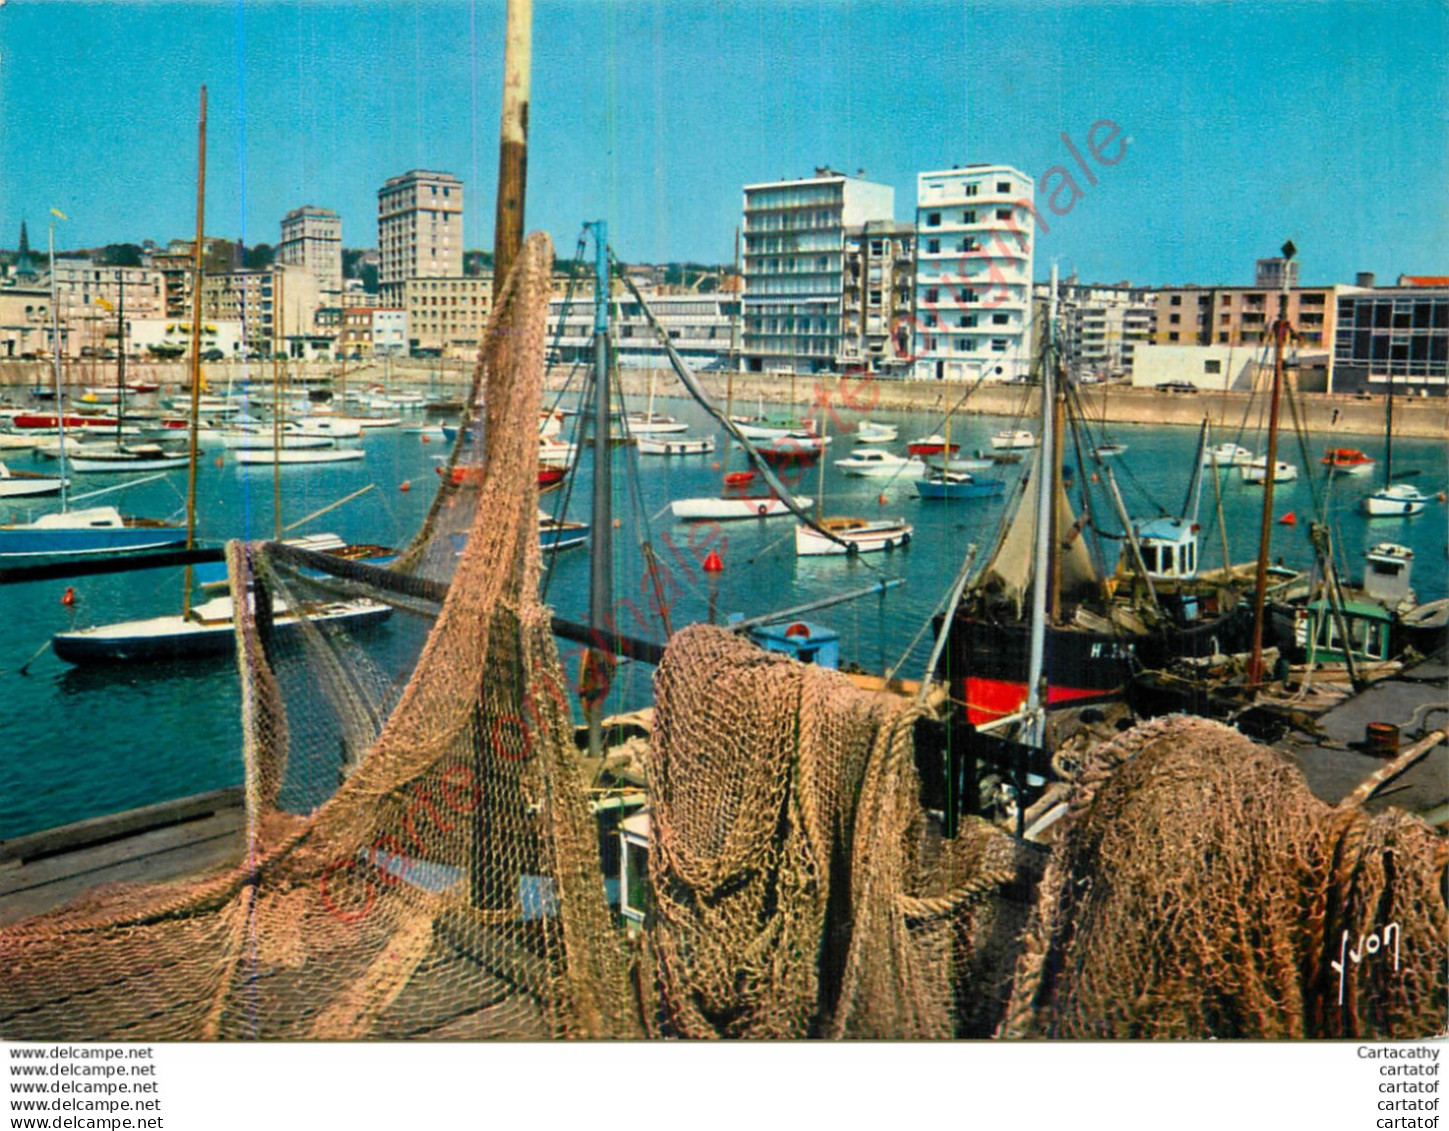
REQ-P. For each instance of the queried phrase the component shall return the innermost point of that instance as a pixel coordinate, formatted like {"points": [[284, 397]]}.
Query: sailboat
{"points": [[848, 536], [207, 628], [19, 484], [1393, 500], [88, 531]]}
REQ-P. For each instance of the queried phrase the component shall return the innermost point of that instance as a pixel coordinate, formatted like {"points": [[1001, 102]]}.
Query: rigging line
{"points": [[1300, 429], [579, 249]]}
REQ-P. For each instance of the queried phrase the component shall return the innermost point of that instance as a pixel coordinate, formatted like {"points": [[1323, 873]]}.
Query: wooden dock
{"points": [[158, 842]]}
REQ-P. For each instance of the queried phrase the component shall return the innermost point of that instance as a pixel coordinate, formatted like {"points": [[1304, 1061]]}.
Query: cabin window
{"points": [[636, 892], [1189, 552], [1149, 558]]}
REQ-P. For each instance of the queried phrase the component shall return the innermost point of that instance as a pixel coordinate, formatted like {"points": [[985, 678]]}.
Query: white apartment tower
{"points": [[419, 231], [974, 234], [312, 238], [794, 265]]}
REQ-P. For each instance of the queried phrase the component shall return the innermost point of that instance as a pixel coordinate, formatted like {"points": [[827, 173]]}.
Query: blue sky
{"points": [[1248, 122]]}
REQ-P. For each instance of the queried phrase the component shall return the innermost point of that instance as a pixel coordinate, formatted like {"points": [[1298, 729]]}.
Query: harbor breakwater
{"points": [[847, 398]]}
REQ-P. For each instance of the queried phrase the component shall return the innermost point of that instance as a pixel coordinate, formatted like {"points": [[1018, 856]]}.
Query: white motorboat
{"points": [[730, 507], [1257, 471], [1005, 441], [878, 463], [332, 427], [869, 432], [959, 465], [254, 457], [1397, 500], [855, 536]]}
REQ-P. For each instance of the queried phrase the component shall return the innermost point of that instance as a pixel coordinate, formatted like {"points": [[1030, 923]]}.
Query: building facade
{"points": [[446, 317], [878, 306], [973, 301], [1102, 325], [794, 266], [389, 331], [699, 328], [312, 239], [419, 231], [274, 305], [1398, 334], [1241, 316]]}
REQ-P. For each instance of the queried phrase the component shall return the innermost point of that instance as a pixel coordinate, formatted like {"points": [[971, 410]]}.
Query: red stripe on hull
{"points": [[991, 699]]}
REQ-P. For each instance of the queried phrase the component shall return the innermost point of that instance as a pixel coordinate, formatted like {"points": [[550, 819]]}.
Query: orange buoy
{"points": [[714, 466], [712, 563], [405, 485], [68, 598], [1444, 496], [617, 524], [426, 438], [1289, 519], [1094, 477], [881, 499], [218, 461]]}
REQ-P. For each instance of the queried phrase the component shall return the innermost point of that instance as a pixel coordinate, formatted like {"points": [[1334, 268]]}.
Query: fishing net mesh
{"points": [[1199, 889]]}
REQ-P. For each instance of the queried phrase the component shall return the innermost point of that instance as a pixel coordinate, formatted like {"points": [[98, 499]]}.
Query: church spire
{"points": [[24, 267]]}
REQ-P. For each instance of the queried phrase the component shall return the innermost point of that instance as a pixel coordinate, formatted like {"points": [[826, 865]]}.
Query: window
{"points": [[1175, 300], [933, 219], [1003, 213], [1212, 367], [971, 190], [1175, 319], [969, 216], [1003, 186], [929, 321], [1000, 319], [966, 321], [932, 294], [933, 246], [1172, 337]]}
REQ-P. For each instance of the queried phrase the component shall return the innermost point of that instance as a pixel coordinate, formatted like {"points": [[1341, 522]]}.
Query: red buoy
{"points": [[713, 564], [68, 598], [1289, 519], [405, 485], [881, 499], [426, 438], [218, 461]]}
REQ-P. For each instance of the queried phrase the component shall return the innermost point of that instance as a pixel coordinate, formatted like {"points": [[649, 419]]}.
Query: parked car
{"points": [[212, 354], [1177, 387]]}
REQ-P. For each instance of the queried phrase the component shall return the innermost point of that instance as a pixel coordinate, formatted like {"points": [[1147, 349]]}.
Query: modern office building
{"points": [[699, 328], [794, 266], [973, 302], [312, 238], [419, 231]]}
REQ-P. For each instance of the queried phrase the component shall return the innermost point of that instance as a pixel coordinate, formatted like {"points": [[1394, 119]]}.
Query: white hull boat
{"points": [[868, 432], [1397, 501], [727, 509], [856, 536], [876, 463], [684, 446], [1257, 471], [333, 428], [26, 484], [1006, 441], [1227, 455], [959, 465], [254, 457]]}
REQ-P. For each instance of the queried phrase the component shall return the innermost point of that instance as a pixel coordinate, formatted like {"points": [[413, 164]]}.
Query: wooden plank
{"points": [[98, 830]]}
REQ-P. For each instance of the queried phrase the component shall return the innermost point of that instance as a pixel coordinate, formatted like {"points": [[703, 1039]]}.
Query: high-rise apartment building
{"points": [[974, 235], [794, 261], [419, 231], [876, 321], [312, 238], [1102, 325]]}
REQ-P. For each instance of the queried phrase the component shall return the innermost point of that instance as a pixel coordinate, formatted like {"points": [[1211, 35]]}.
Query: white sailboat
{"points": [[1393, 500]]}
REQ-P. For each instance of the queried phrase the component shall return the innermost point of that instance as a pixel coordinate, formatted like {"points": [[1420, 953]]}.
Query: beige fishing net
{"points": [[1199, 890]]}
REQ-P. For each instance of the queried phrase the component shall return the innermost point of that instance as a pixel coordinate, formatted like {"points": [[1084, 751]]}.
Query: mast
{"points": [[1389, 435], [735, 316], [601, 565], [120, 353], [513, 142], [55, 352], [1046, 503], [1265, 531], [195, 349]]}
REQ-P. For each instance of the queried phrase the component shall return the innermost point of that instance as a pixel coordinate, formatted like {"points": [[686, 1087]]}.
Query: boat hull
{"points": [[17, 544], [725, 510], [267, 456], [975, 489], [872, 537], [696, 447]]}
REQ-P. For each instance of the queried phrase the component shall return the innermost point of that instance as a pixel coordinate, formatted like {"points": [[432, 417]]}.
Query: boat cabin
{"points": [[800, 640], [1169, 549], [1386, 575], [633, 882], [1316, 637]]}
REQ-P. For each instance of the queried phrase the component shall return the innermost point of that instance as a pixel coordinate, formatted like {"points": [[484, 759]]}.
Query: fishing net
{"points": [[799, 889], [420, 856], [1199, 890]]}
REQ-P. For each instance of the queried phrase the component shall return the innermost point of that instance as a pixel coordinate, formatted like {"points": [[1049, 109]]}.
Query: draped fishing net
{"points": [[1199, 889], [421, 860], [798, 888]]}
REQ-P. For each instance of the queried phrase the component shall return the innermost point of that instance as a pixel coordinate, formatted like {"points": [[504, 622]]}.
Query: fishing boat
{"points": [[691, 446], [1256, 471], [1347, 461], [879, 463], [1393, 500], [1012, 439], [956, 485], [207, 630], [852, 536], [933, 445], [22, 484]]}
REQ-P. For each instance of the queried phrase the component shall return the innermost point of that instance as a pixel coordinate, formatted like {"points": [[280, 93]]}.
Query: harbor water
{"points": [[82, 742]]}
